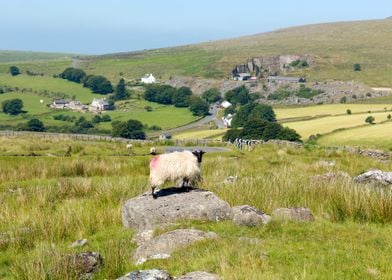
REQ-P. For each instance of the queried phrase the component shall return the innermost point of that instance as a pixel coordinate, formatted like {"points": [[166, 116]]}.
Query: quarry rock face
{"points": [[293, 214], [173, 204], [377, 177], [163, 245], [246, 215], [151, 274]]}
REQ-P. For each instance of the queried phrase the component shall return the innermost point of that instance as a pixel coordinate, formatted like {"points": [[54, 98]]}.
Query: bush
{"points": [[131, 129], [12, 106], [239, 95], [229, 110], [14, 71], [357, 67], [389, 117], [106, 118], [370, 120], [35, 125], [280, 94], [148, 108], [348, 112], [308, 93], [180, 97]]}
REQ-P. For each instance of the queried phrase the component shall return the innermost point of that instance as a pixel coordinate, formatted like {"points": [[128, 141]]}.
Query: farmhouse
{"points": [[225, 104], [165, 136], [76, 105], [227, 120], [99, 105], [285, 80], [148, 79], [60, 104]]}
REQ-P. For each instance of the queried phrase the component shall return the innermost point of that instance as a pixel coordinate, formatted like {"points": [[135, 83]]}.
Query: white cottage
{"points": [[225, 104], [148, 79], [99, 105], [227, 120]]}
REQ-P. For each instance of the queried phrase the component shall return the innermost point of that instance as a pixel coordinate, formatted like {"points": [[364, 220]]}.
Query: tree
{"points": [[389, 117], [212, 95], [198, 106], [73, 74], [12, 106], [14, 71], [229, 110], [131, 129], [98, 84], [232, 134], [357, 67], [181, 96], [96, 119], [35, 125], [289, 135], [120, 92], [239, 95], [370, 120], [264, 112], [254, 129]]}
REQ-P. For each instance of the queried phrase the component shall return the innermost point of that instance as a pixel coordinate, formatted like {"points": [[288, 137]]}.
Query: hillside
{"points": [[333, 47], [18, 56]]}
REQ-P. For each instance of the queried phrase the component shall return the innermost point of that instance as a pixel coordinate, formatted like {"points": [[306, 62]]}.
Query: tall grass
{"points": [[49, 202]]}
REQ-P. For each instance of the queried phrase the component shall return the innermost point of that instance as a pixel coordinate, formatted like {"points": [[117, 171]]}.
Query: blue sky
{"points": [[101, 26]]}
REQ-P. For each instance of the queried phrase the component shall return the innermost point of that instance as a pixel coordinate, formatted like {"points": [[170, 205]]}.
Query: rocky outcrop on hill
{"points": [[163, 245], [144, 212], [293, 214], [376, 177]]}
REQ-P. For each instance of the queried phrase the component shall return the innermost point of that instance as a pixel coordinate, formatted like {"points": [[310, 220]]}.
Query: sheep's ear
{"points": [[194, 153]]}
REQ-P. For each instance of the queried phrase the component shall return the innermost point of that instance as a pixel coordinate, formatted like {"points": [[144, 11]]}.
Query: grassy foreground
{"points": [[49, 201]]}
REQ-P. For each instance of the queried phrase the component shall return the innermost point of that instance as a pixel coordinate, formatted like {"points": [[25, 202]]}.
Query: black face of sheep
{"points": [[199, 154]]}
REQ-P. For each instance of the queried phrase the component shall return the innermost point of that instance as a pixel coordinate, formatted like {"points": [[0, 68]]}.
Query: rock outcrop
{"points": [[246, 215], [173, 204], [376, 177], [293, 214], [163, 245], [151, 274], [85, 264], [199, 275]]}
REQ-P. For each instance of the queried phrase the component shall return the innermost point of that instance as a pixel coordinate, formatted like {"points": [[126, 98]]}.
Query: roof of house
{"points": [[60, 101], [288, 79], [100, 101], [225, 104], [148, 76]]}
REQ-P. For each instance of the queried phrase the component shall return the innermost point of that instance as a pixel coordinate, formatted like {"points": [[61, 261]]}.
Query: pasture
{"points": [[376, 136], [49, 201], [201, 134]]}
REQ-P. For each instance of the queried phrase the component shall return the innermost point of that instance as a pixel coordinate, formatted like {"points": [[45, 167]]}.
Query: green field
{"points": [[334, 48], [377, 136], [49, 201], [329, 109], [329, 124], [201, 134], [23, 56], [48, 85]]}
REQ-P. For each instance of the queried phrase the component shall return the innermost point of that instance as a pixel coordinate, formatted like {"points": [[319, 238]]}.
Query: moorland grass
{"points": [[49, 201]]}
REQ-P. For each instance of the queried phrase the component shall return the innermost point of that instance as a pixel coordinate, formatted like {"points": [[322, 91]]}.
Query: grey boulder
{"points": [[198, 275], [151, 274], [377, 177], [84, 264], [246, 215], [293, 214], [163, 245], [173, 204]]}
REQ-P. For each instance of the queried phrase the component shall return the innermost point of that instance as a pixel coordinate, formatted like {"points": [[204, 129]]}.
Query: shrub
{"points": [[131, 129], [98, 84], [389, 117], [348, 112], [35, 125], [212, 95], [14, 71], [357, 67], [198, 106], [370, 120], [148, 108], [73, 74], [280, 94], [12, 106]]}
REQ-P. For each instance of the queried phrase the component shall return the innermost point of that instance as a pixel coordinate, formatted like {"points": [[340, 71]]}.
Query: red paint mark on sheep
{"points": [[154, 162]]}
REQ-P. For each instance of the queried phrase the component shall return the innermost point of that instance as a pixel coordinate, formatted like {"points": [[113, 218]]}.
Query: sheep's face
{"points": [[198, 154]]}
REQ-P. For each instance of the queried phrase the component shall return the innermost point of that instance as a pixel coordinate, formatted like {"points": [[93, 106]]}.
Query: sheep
{"points": [[129, 146], [153, 151], [181, 167]]}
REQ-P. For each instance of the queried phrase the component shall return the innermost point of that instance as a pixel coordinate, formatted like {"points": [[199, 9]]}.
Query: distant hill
{"points": [[334, 48], [19, 56]]}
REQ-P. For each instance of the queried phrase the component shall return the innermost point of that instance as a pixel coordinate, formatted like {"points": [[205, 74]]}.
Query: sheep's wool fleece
{"points": [[173, 167]]}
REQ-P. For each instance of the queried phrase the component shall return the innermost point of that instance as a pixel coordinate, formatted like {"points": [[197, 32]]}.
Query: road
{"points": [[211, 117]]}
